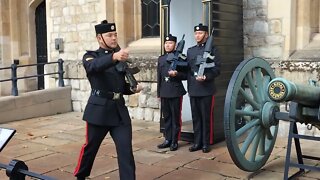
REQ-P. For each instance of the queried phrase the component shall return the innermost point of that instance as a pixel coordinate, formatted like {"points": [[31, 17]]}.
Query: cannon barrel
{"points": [[281, 90]]}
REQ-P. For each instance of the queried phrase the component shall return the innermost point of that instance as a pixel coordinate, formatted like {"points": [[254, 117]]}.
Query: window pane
{"points": [[150, 18]]}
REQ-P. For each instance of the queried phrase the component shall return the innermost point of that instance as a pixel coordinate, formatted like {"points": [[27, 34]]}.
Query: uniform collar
{"points": [[170, 52], [106, 51], [202, 44]]}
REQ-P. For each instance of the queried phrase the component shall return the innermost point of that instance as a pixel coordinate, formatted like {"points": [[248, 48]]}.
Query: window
{"points": [[150, 18]]}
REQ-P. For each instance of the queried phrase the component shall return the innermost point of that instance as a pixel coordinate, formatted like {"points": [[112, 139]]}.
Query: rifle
{"points": [[202, 60], [177, 58], [129, 72]]}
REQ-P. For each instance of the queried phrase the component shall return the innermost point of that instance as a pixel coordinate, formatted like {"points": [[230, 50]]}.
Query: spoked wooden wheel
{"points": [[250, 126]]}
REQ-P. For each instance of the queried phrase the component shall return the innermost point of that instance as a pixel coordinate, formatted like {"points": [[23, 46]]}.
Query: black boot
{"points": [[174, 146], [195, 147], [205, 149], [165, 144]]}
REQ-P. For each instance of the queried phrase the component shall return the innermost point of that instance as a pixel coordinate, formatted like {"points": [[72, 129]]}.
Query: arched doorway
{"points": [[41, 40]]}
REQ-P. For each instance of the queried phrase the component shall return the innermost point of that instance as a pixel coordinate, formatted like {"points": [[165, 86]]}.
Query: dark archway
{"points": [[41, 40]]}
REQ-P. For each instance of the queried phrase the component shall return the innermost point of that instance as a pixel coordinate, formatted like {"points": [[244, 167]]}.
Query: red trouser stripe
{"points": [[211, 120], [81, 152], [180, 118]]}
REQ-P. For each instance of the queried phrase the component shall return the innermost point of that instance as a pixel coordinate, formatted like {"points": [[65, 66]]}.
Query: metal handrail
{"points": [[14, 78]]}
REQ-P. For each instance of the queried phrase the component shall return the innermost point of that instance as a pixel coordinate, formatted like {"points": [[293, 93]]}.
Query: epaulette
{"points": [[91, 53]]}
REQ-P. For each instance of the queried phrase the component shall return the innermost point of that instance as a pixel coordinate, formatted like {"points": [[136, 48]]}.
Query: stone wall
{"points": [[73, 21], [262, 36], [144, 105], [0, 52]]}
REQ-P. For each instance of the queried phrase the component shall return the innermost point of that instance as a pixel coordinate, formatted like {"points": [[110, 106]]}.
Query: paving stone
{"points": [[144, 171], [191, 174], [51, 141], [13, 142], [66, 136], [69, 168], [79, 132], [3, 174], [278, 165], [42, 122], [59, 174], [268, 175], [33, 133], [114, 175], [224, 158], [107, 150], [71, 148], [281, 142], [35, 155], [62, 127], [150, 144], [22, 149], [103, 165], [225, 169], [142, 136], [219, 148], [176, 161], [50, 163], [149, 157]]}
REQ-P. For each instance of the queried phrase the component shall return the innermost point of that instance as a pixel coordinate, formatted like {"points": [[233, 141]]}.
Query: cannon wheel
{"points": [[250, 126]]}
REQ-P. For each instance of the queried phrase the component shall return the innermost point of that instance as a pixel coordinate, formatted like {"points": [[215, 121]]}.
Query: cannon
{"points": [[252, 114]]}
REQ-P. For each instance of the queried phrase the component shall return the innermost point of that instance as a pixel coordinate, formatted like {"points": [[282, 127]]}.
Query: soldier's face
{"points": [[169, 46], [200, 36], [110, 38]]}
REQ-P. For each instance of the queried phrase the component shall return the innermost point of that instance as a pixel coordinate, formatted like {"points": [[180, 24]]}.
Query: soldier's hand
{"points": [[201, 78], [121, 55], [138, 89], [172, 73]]}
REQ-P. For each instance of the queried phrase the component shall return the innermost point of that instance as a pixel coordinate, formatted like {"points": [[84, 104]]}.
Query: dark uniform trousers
{"points": [[122, 137], [202, 116], [171, 110]]}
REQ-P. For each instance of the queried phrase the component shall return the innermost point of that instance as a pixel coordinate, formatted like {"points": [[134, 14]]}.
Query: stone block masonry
{"points": [[144, 105]]}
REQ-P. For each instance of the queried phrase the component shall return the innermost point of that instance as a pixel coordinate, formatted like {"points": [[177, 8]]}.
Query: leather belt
{"points": [[108, 95]]}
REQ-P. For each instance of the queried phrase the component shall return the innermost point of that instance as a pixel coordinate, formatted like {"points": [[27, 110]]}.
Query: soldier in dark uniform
{"points": [[106, 110], [170, 90], [201, 91]]}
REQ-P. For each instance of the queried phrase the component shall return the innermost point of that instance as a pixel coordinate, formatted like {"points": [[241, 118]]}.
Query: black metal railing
{"points": [[14, 79]]}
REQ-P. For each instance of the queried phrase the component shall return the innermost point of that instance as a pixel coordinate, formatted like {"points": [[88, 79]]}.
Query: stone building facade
{"points": [[285, 32]]}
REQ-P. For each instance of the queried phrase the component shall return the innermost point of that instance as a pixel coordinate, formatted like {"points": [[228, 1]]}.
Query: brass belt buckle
{"points": [[116, 96]]}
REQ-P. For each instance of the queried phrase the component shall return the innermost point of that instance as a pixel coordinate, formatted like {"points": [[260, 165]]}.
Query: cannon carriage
{"points": [[252, 114]]}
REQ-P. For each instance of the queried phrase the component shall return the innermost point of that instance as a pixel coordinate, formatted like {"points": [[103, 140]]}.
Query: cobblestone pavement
{"points": [[51, 145]]}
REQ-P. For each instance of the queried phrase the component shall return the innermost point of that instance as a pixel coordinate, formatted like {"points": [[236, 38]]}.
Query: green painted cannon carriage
{"points": [[252, 113]]}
